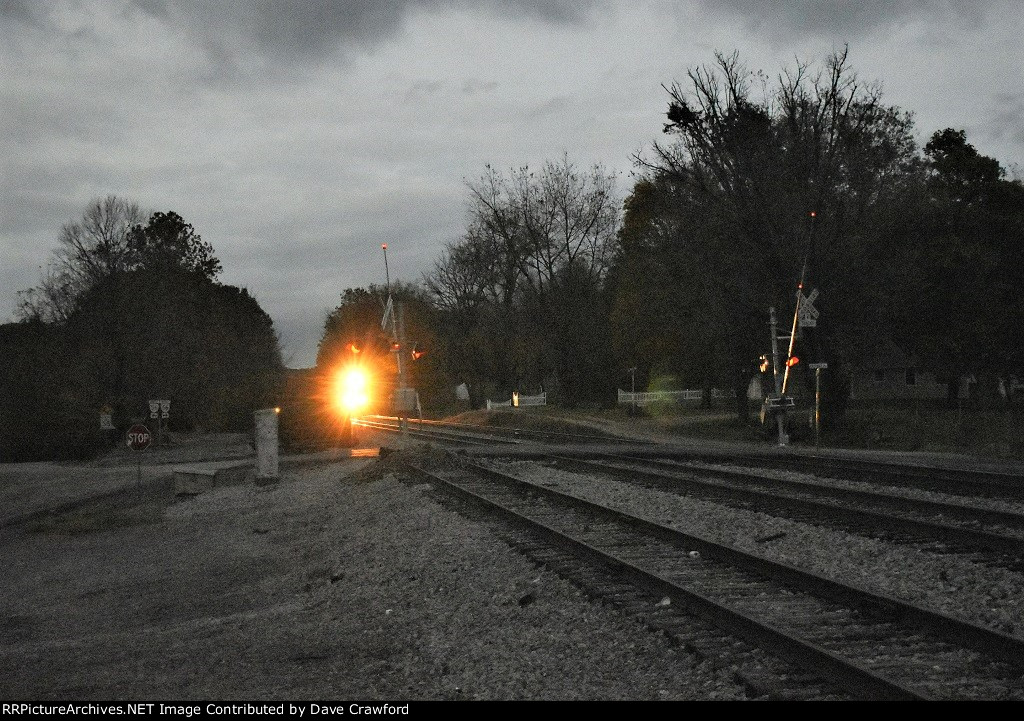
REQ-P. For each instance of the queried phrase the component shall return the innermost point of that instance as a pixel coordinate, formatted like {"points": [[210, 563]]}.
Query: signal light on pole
{"points": [[354, 348], [764, 363], [792, 361], [417, 353]]}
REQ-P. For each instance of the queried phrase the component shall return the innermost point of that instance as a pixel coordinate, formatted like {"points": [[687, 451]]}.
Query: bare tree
{"points": [[536, 242], [528, 226], [89, 250]]}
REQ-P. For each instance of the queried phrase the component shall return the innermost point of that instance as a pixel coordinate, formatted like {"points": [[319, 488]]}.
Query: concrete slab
{"points": [[193, 480]]}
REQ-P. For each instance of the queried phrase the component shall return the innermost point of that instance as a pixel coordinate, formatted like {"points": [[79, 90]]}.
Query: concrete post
{"points": [[266, 445]]}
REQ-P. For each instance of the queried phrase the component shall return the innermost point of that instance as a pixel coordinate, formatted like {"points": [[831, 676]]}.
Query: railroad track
{"points": [[870, 645], [973, 483], [468, 432], [991, 537], [994, 537], [427, 432]]}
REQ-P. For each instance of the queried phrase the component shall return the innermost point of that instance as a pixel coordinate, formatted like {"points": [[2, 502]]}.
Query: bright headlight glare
{"points": [[352, 390]]}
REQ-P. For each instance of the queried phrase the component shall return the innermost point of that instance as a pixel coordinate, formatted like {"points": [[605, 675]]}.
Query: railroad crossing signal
{"points": [[808, 316]]}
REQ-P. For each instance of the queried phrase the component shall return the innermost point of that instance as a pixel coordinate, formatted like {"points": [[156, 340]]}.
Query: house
{"points": [[886, 372]]}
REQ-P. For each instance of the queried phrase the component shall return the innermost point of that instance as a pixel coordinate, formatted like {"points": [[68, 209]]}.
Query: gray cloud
{"points": [[845, 19], [302, 29], [472, 86], [545, 108], [270, 40], [298, 136], [19, 10], [1003, 121]]}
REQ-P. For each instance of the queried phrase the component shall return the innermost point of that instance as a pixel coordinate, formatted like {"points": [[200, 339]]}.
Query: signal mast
{"points": [[804, 316], [404, 399]]}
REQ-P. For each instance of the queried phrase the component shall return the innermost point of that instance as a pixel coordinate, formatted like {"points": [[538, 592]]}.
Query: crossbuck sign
{"points": [[808, 316]]}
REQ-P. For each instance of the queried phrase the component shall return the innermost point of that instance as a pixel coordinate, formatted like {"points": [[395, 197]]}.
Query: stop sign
{"points": [[139, 437]]}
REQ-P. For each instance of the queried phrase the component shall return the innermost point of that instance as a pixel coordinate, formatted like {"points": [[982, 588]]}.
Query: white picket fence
{"points": [[518, 401], [642, 399]]}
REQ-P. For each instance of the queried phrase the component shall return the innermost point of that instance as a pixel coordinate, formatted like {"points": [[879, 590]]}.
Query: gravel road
{"points": [[339, 582]]}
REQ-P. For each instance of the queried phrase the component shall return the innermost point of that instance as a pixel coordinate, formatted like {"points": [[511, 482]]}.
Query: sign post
{"points": [[138, 439], [818, 368], [159, 410], [632, 390]]}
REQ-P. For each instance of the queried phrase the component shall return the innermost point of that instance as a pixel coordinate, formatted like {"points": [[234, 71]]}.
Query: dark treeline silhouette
{"points": [[125, 314], [913, 246]]}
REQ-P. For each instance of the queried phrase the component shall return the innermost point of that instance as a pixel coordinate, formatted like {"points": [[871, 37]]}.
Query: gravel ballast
{"points": [[950, 583], [338, 582]]}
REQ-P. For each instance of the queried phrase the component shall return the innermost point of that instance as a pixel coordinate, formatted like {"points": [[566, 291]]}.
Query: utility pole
{"points": [[817, 407], [780, 412], [632, 375], [397, 312], [792, 336]]}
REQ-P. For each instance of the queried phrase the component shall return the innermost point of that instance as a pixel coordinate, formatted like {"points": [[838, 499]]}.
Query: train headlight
{"points": [[352, 390]]}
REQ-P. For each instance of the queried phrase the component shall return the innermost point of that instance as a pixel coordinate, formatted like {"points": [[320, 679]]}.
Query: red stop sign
{"points": [[139, 437]]}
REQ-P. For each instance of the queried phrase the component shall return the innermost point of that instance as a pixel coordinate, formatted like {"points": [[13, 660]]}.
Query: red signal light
{"points": [[792, 361]]}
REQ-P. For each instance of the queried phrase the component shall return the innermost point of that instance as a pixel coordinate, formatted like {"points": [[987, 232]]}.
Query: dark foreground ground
{"points": [[340, 582]]}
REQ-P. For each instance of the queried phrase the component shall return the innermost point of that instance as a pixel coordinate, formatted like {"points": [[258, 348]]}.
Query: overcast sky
{"points": [[297, 136]]}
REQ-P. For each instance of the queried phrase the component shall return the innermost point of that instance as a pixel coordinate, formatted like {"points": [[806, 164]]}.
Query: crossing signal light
{"points": [[417, 352], [764, 363], [792, 361], [354, 348]]}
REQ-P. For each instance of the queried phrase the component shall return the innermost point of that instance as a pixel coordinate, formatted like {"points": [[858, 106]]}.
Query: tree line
{"points": [[130, 310], [560, 284]]}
